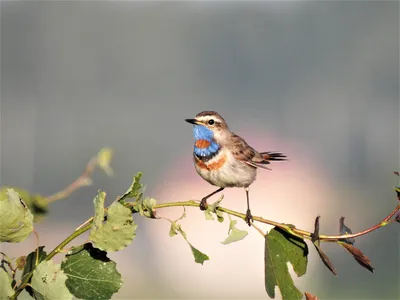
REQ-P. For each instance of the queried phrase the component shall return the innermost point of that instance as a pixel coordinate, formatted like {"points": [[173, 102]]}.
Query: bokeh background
{"points": [[318, 81]]}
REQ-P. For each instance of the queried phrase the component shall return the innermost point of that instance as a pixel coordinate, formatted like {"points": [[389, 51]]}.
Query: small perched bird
{"points": [[223, 158]]}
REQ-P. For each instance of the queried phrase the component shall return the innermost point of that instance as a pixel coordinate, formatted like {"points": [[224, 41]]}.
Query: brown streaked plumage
{"points": [[223, 158]]}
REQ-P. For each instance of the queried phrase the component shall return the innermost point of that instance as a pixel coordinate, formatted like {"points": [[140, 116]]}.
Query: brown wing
{"points": [[243, 152]]}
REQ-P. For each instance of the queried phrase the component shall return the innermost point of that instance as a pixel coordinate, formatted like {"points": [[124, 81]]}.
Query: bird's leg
{"points": [[249, 217], [203, 203]]}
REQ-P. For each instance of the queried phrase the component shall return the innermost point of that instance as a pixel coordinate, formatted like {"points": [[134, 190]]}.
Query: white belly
{"points": [[232, 173]]}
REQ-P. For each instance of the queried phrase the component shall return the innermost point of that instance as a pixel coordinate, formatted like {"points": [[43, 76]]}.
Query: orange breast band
{"points": [[212, 166]]}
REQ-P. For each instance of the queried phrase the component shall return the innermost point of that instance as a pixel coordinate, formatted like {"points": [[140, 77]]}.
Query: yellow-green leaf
{"points": [[37, 204], [117, 232], [48, 282], [146, 207], [212, 209], [104, 158], [199, 257], [5, 285], [135, 190], [235, 234], [99, 209], [16, 219], [32, 260]]}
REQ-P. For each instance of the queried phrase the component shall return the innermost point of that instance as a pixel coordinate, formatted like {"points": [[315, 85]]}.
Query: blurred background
{"points": [[318, 81]]}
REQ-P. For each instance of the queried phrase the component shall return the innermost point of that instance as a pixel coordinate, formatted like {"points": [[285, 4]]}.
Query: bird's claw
{"points": [[203, 204], [249, 217]]}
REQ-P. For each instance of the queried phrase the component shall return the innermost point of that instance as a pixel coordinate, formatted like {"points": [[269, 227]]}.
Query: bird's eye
{"points": [[211, 122]]}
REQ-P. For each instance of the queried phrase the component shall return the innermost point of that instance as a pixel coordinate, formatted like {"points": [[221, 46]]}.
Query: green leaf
{"points": [[212, 208], [175, 227], [37, 204], [220, 216], [135, 190], [208, 215], [146, 208], [199, 257], [234, 233], [16, 219], [99, 209], [91, 274], [178, 228], [5, 285], [117, 232], [281, 248], [32, 260], [104, 158], [172, 230], [143, 207], [48, 282]]}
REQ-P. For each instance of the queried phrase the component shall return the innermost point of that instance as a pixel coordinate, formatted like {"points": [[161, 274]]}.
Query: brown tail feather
{"points": [[273, 156]]}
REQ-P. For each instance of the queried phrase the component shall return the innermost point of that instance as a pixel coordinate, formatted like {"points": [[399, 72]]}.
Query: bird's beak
{"points": [[192, 121]]}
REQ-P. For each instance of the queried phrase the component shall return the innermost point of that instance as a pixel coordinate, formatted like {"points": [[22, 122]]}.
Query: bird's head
{"points": [[209, 125]]}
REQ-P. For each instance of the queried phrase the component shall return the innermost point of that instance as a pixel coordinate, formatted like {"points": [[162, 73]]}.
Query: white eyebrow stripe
{"points": [[206, 118]]}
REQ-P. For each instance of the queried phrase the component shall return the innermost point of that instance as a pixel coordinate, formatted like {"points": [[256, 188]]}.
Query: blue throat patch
{"points": [[201, 132]]}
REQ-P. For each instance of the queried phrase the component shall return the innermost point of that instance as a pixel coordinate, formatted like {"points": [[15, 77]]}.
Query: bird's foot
{"points": [[203, 204], [249, 217]]}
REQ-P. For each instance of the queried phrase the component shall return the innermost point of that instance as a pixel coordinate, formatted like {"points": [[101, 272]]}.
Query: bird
{"points": [[224, 159]]}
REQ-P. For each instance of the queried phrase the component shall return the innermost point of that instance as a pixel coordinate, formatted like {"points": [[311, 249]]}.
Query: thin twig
{"points": [[82, 180], [37, 245], [383, 223], [84, 223], [258, 229]]}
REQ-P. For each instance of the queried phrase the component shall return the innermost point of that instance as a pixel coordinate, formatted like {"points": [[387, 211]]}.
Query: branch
{"points": [[56, 250], [102, 159], [383, 223], [289, 228]]}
